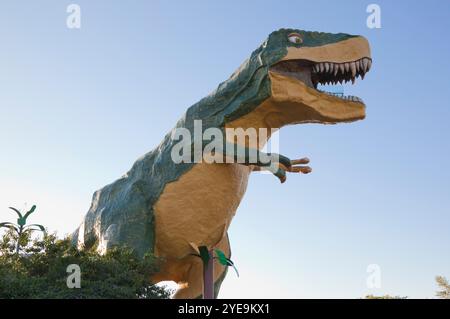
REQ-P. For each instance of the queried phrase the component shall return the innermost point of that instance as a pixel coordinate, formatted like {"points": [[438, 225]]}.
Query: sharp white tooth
{"points": [[362, 76], [365, 64], [336, 69], [353, 68], [321, 67], [361, 65], [347, 67], [357, 65], [342, 68], [327, 67]]}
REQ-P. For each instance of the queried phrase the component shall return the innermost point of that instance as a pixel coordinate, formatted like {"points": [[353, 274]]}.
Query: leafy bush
{"points": [[40, 271]]}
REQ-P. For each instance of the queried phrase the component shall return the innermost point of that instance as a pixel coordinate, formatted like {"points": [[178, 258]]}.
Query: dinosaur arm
{"points": [[297, 166], [277, 164]]}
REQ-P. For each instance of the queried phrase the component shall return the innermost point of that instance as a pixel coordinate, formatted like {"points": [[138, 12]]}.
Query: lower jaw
{"points": [[305, 77], [305, 104]]}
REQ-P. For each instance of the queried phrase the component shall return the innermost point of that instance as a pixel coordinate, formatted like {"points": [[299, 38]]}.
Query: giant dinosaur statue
{"points": [[165, 208]]}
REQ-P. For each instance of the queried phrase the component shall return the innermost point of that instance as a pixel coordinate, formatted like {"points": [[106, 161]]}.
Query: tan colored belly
{"points": [[198, 208]]}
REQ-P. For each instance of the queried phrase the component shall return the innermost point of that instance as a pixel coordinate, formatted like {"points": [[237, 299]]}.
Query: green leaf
{"points": [[10, 226], [17, 211], [41, 228], [221, 257], [7, 225], [235, 269], [21, 221], [231, 264], [33, 208], [223, 260]]}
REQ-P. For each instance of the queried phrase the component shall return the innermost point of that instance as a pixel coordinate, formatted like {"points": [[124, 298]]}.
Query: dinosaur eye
{"points": [[295, 38]]}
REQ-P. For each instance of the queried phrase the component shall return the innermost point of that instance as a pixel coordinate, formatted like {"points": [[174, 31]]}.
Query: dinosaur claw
{"points": [[281, 174], [301, 169], [306, 170], [304, 160]]}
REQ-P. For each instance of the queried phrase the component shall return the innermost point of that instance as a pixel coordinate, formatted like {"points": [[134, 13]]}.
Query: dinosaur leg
{"points": [[191, 287]]}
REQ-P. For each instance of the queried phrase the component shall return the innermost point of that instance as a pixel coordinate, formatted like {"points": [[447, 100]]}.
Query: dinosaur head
{"points": [[298, 61]]}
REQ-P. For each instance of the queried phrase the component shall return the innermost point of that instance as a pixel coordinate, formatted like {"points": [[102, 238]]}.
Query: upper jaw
{"points": [[332, 73], [332, 63]]}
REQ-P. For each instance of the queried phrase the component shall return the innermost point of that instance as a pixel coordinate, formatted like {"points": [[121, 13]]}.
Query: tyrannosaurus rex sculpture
{"points": [[164, 207]]}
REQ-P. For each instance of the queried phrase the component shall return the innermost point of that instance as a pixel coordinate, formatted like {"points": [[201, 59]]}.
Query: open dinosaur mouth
{"points": [[325, 73]]}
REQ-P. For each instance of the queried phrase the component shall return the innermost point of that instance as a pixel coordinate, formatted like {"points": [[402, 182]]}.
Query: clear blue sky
{"points": [[78, 107]]}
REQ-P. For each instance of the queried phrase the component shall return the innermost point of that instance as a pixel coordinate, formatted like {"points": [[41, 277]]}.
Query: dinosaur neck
{"points": [[259, 125]]}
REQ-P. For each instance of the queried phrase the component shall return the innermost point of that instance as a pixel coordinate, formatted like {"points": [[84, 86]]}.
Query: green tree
{"points": [[21, 229], [40, 271], [444, 287]]}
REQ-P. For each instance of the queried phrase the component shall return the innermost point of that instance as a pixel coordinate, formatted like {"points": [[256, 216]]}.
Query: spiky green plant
{"points": [[223, 260], [207, 257], [21, 228]]}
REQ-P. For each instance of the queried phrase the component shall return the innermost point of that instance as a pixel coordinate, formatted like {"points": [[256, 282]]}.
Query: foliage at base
{"points": [[40, 271]]}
